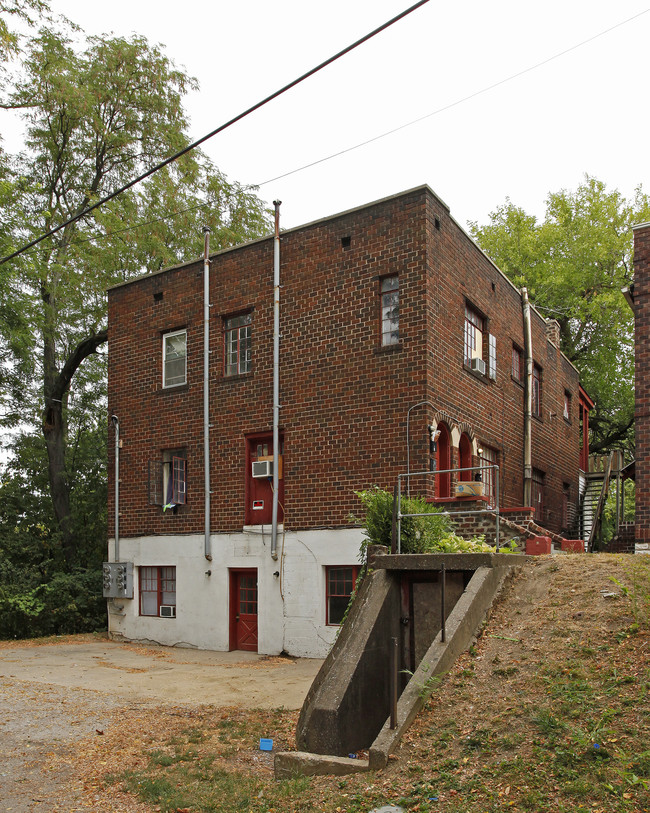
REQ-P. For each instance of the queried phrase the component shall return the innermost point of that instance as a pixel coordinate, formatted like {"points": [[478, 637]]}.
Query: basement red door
{"points": [[243, 610]]}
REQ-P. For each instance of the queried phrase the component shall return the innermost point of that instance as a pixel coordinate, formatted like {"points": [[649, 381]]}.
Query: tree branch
{"points": [[85, 348]]}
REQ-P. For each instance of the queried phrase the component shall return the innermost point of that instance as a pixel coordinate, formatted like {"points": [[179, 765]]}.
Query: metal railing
{"points": [[397, 507]]}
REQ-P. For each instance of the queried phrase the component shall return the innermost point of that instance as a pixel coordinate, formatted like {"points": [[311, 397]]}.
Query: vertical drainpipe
{"points": [[528, 397], [206, 389], [116, 425], [276, 378]]}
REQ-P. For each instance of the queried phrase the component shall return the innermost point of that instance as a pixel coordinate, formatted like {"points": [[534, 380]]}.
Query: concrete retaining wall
{"points": [[348, 705]]}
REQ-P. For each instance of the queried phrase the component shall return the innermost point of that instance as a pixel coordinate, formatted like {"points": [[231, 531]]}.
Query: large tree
{"points": [[575, 263], [95, 117]]}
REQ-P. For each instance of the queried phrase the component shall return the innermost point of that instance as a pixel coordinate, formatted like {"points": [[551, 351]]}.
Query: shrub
{"points": [[420, 534]]}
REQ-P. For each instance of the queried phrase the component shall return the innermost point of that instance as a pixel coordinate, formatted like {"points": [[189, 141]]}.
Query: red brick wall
{"points": [[460, 273], [642, 380], [344, 397]]}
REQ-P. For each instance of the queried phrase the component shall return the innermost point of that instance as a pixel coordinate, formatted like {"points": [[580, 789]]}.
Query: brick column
{"points": [[641, 295]]}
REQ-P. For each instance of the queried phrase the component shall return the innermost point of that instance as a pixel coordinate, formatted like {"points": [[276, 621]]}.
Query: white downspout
{"points": [[276, 378], [116, 424], [206, 390], [528, 397]]}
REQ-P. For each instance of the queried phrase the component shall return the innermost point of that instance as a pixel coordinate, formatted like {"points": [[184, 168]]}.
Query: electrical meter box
{"points": [[118, 579]]}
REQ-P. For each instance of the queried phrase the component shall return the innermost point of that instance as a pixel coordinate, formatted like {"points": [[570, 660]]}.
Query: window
{"points": [[168, 480], [537, 495], [389, 311], [473, 335], [174, 358], [489, 457], [492, 355], [567, 406], [517, 363], [158, 591], [237, 344], [537, 391], [340, 582]]}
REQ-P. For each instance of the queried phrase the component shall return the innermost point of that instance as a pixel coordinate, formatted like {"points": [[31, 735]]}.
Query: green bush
{"points": [[432, 533], [68, 603]]}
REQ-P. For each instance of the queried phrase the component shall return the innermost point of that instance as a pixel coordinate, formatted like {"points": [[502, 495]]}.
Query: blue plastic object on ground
{"points": [[266, 744]]}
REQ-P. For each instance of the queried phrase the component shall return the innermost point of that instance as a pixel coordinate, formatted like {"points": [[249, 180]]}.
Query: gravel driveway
{"points": [[54, 695]]}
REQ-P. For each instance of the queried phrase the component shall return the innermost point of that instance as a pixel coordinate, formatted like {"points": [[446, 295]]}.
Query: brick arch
{"points": [[442, 417], [465, 429]]}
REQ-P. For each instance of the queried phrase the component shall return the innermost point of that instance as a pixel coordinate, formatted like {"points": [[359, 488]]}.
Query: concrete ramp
{"points": [[348, 706]]}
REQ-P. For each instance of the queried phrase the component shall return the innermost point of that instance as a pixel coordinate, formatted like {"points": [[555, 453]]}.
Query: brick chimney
{"points": [[640, 295], [553, 332]]}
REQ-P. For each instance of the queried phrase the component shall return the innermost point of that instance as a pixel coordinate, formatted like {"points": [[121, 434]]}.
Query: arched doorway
{"points": [[465, 457], [443, 462]]}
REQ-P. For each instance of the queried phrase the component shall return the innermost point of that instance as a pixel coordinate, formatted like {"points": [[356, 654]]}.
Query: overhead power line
{"points": [[449, 106], [460, 101], [219, 129]]}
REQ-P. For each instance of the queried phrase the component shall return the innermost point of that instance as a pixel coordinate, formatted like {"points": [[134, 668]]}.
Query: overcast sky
{"points": [[584, 112]]}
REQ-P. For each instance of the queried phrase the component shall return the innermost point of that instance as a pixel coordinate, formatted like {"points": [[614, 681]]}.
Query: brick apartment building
{"points": [[382, 307]]}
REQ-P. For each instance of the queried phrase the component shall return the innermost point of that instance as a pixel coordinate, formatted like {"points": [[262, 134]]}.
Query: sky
{"points": [[583, 112]]}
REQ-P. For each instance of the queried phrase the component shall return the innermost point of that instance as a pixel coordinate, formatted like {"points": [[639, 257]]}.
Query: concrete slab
{"points": [[164, 674]]}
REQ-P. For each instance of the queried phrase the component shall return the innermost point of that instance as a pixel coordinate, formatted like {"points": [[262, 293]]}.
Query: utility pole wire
{"points": [[455, 103], [219, 129]]}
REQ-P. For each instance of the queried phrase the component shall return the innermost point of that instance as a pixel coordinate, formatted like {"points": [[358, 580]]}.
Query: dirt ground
{"points": [[55, 696], [77, 710]]}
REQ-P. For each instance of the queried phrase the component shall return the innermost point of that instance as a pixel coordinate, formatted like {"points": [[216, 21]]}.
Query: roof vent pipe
{"points": [[116, 425], [276, 378], [206, 389], [528, 396]]}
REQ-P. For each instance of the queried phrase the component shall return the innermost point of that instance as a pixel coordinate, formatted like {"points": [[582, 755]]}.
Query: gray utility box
{"points": [[118, 579]]}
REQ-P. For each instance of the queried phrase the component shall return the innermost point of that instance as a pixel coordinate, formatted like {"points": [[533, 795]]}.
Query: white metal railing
{"points": [[481, 469]]}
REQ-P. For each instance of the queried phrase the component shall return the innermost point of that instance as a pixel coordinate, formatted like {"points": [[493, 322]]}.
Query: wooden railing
{"points": [[599, 462], [598, 515]]}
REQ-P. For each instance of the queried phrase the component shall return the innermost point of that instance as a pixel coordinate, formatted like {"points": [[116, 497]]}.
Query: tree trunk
{"points": [[55, 441], [56, 387]]}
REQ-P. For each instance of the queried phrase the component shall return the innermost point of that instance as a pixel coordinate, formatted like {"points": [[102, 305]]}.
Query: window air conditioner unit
{"points": [[167, 611], [262, 468], [478, 365]]}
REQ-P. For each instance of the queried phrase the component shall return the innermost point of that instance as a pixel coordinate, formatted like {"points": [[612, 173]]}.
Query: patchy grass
{"points": [[550, 712]]}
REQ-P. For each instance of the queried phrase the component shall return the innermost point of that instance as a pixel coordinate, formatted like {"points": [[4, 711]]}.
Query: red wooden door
{"points": [[243, 610], [259, 508], [443, 463]]}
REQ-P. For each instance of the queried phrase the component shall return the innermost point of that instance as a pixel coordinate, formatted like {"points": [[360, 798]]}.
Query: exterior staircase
{"points": [[602, 470]]}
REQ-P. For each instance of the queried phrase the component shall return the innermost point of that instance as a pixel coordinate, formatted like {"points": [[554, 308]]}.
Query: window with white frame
{"points": [[537, 391], [389, 310], [168, 480], [474, 328], [158, 591], [492, 347], [567, 406], [174, 358], [340, 583], [237, 344], [174, 348], [517, 364]]}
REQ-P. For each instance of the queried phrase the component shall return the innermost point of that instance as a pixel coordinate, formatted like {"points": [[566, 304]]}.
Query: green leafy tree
{"points": [[95, 117], [575, 263], [26, 11]]}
